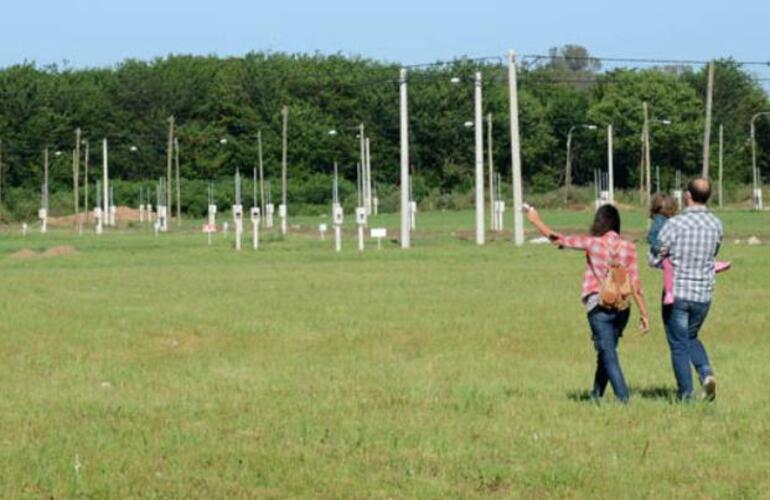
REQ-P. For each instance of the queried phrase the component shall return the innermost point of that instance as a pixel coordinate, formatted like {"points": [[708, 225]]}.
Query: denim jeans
{"points": [[606, 328], [682, 320]]}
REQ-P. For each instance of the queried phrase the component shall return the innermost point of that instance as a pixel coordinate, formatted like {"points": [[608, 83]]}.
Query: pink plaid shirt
{"points": [[598, 250]]}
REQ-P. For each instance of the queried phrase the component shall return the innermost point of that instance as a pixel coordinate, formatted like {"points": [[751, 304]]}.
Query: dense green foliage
{"points": [[212, 98]]}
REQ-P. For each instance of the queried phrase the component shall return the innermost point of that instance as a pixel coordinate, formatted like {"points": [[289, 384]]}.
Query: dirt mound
{"points": [[59, 251], [122, 214], [24, 253]]}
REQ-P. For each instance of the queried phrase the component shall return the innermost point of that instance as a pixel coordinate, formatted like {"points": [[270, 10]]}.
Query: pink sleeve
{"points": [[579, 242]]}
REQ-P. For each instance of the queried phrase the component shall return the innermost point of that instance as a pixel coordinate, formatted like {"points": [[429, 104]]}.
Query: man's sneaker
{"points": [[709, 388]]}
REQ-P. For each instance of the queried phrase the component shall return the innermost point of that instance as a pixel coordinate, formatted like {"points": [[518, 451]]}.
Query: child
{"points": [[662, 208]]}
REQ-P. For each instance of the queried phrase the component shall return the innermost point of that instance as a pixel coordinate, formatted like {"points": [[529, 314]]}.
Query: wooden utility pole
{"points": [[178, 185], [76, 173], [707, 125], [492, 215], [721, 159], [284, 166], [85, 182], [169, 161], [261, 176]]}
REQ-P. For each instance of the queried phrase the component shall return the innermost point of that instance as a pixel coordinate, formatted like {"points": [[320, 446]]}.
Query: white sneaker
{"points": [[709, 388]]}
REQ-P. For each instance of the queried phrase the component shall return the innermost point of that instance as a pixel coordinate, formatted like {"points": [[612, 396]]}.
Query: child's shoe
{"points": [[722, 265]]}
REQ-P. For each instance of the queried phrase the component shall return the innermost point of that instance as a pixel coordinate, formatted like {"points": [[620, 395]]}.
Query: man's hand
{"points": [[644, 324]]}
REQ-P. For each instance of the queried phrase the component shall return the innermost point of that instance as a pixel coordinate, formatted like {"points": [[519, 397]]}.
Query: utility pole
{"points": [[610, 166], [368, 176], [178, 187], [85, 182], [261, 176], [284, 166], [169, 161], [479, 133], [647, 165], [105, 180], [45, 179], [568, 168], [491, 173], [518, 219], [707, 125], [404, 139], [721, 159], [76, 173], [362, 150], [1, 171]]}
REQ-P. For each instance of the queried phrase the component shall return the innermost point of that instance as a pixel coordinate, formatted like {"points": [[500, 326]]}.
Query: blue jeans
{"points": [[682, 320], [606, 328]]}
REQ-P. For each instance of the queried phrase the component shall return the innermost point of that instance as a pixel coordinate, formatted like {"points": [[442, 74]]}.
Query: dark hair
{"points": [[699, 189], [664, 205], [607, 219]]}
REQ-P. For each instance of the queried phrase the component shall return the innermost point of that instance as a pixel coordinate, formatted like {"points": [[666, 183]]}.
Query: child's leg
{"points": [[722, 265], [668, 281]]}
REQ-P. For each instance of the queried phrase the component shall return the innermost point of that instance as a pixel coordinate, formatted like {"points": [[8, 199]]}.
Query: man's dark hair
{"points": [[607, 219], [700, 190]]}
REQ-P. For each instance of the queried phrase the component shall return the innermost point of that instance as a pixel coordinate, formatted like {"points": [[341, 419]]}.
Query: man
{"points": [[691, 241]]}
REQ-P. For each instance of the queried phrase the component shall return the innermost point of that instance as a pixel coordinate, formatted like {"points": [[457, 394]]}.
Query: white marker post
{"points": [[42, 214], [677, 194], [255, 226], [113, 208], [322, 228], [24, 228], [269, 215], [105, 181], [338, 219]]}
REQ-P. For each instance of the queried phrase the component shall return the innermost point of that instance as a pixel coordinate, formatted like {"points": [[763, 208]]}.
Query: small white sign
{"points": [[379, 232]]}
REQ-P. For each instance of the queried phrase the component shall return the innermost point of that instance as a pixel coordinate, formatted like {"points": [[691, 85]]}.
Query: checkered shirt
{"points": [[692, 241], [600, 251]]}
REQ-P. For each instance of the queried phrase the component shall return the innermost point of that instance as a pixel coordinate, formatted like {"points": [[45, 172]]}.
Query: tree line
{"points": [[234, 98]]}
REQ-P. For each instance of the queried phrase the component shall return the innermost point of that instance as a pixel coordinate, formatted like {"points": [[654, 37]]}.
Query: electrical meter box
{"points": [[255, 214], [237, 211], [338, 214], [282, 211], [41, 214], [360, 215]]}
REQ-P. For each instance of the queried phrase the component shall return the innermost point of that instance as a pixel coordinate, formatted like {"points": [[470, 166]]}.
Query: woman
{"points": [[603, 246]]}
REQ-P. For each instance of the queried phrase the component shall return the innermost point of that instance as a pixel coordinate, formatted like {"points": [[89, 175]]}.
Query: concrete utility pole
{"points": [[647, 164], [492, 214], [261, 175], [76, 173], [1, 171], [404, 137], [169, 161], [105, 180], [479, 133], [178, 186], [85, 181], [707, 125], [284, 158], [568, 166], [721, 159], [45, 179], [368, 176], [518, 218], [362, 152], [610, 165]]}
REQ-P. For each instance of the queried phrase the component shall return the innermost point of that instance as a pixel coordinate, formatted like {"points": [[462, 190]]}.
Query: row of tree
{"points": [[213, 98]]}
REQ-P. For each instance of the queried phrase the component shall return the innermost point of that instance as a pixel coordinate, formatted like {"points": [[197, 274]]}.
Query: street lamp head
{"points": [[133, 149], [223, 140], [590, 127], [332, 132], [468, 124], [666, 122], [455, 80], [57, 153]]}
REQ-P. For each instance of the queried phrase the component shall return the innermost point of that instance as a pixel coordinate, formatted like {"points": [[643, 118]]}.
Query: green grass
{"points": [[146, 367]]}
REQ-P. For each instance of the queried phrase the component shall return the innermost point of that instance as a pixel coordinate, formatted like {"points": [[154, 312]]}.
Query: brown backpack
{"points": [[616, 288]]}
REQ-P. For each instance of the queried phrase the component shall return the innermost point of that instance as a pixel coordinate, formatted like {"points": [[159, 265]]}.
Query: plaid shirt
{"points": [[692, 241], [599, 251]]}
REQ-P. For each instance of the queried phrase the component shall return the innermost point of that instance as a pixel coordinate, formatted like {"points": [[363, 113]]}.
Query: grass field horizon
{"points": [[162, 367]]}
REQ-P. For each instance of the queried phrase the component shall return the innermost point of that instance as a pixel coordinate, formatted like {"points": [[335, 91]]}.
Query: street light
{"points": [[568, 167], [756, 189]]}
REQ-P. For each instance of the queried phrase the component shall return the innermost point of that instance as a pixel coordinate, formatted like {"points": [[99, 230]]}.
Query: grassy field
{"points": [[164, 368]]}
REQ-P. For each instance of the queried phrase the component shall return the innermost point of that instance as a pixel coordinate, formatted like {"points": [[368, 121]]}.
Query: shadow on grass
{"points": [[660, 393]]}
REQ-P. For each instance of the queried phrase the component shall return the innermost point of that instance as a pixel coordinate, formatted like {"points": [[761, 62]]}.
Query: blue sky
{"points": [[99, 33]]}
